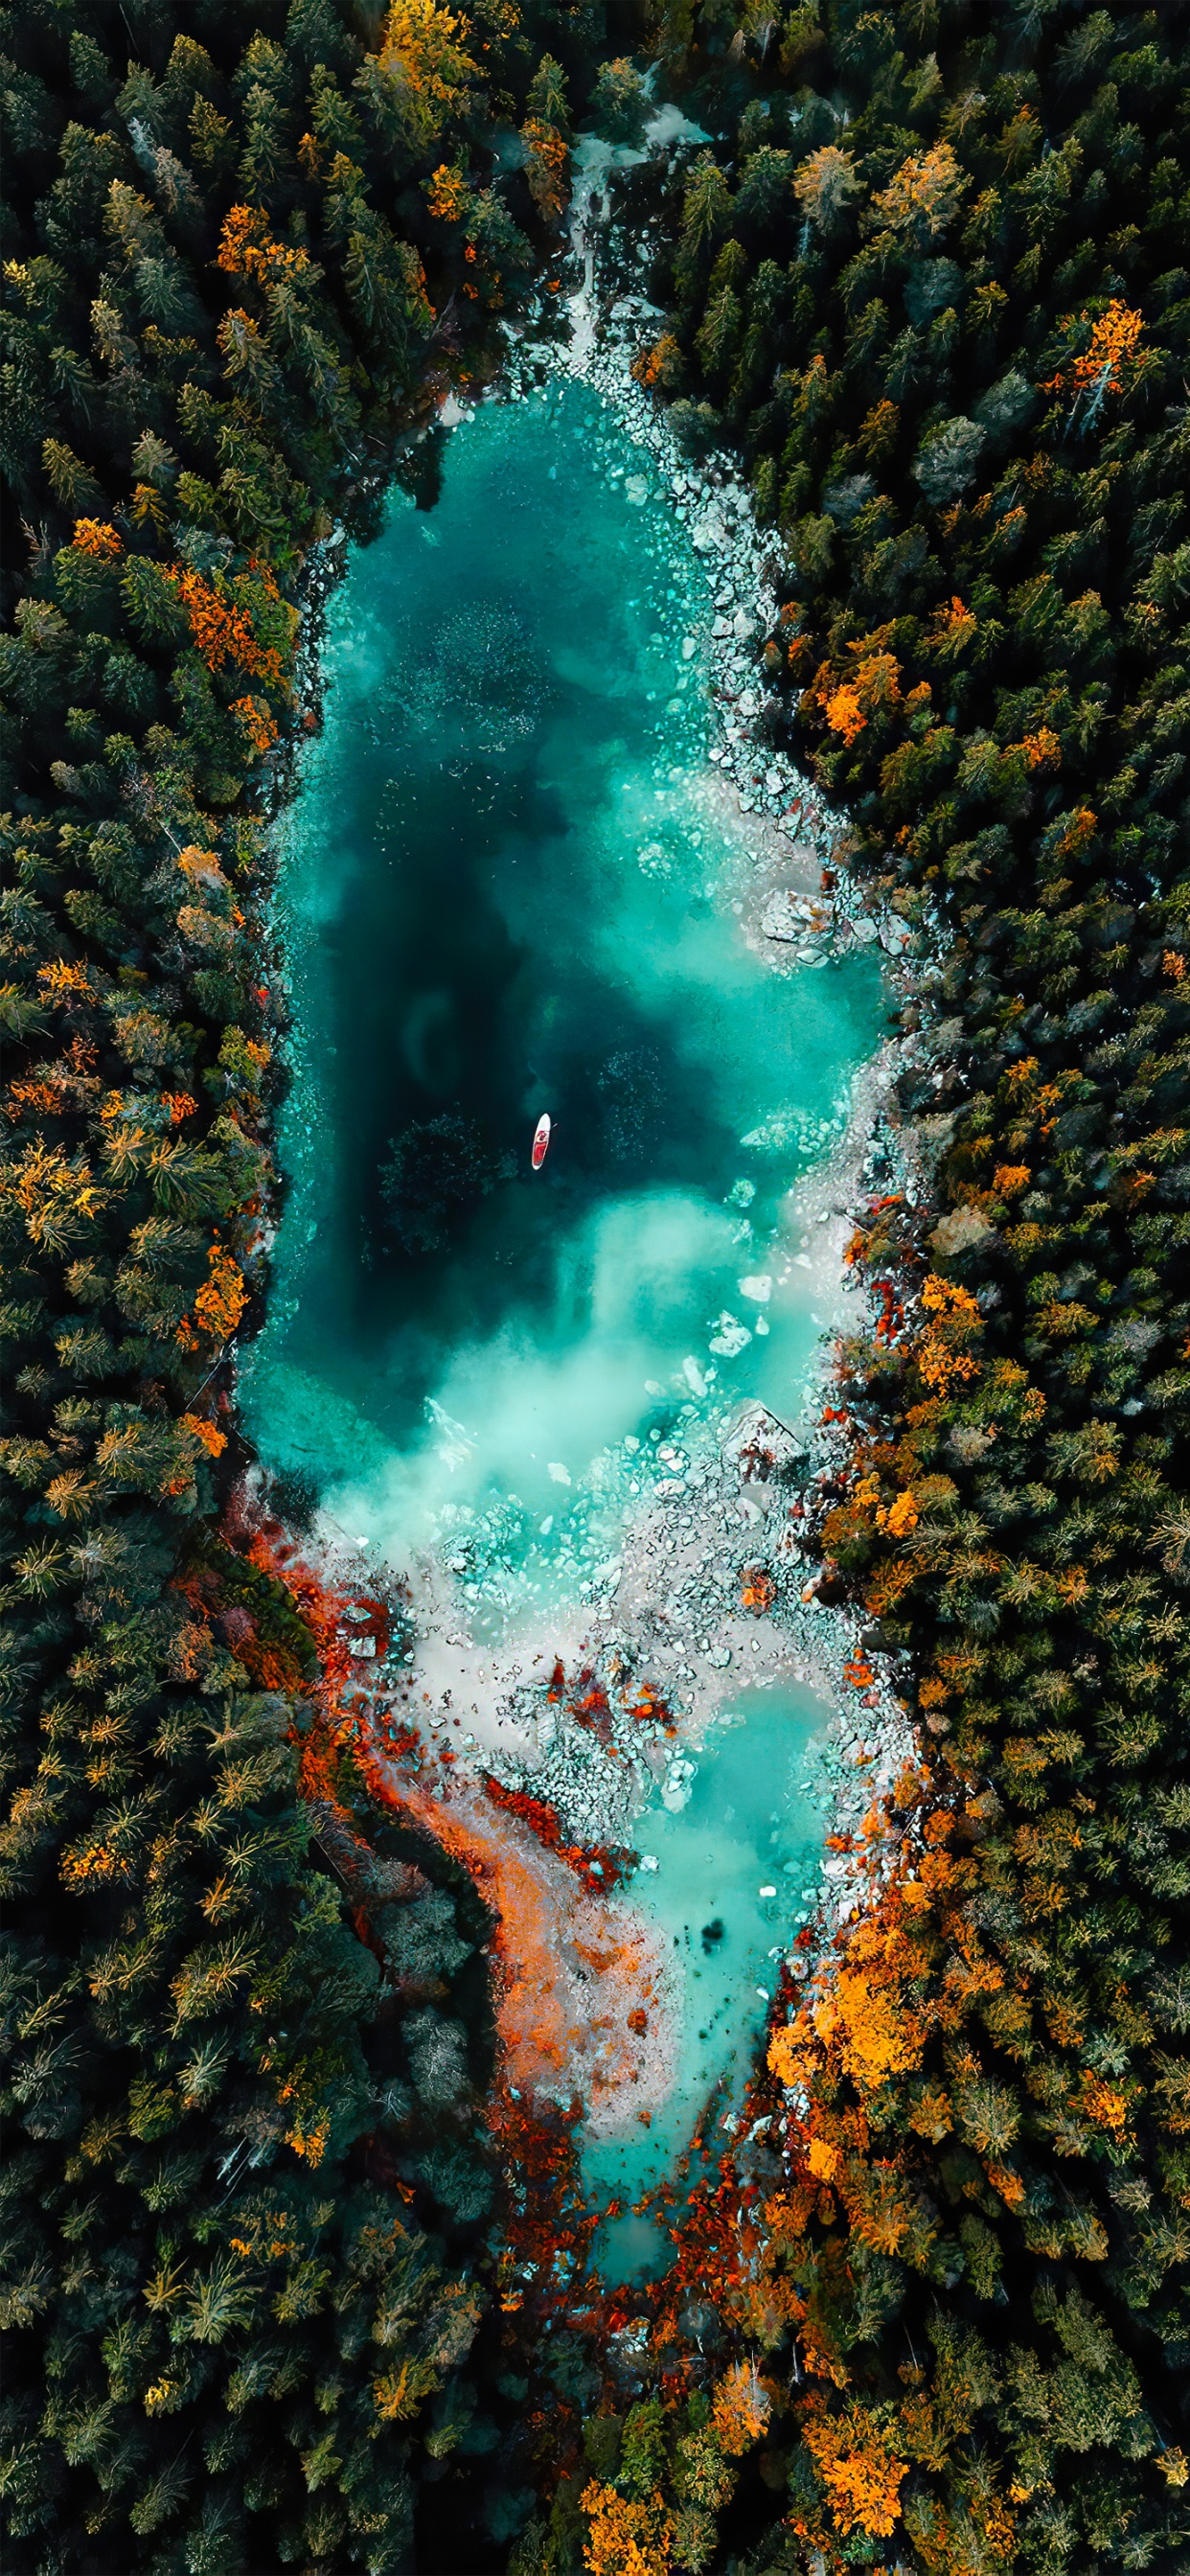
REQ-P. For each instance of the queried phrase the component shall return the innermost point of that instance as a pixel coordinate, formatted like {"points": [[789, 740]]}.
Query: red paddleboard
{"points": [[541, 1141]]}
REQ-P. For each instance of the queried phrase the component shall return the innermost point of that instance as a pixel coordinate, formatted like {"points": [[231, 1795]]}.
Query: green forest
{"points": [[925, 282]]}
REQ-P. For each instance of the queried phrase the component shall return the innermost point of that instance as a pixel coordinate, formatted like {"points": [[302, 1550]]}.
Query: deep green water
{"points": [[508, 887]]}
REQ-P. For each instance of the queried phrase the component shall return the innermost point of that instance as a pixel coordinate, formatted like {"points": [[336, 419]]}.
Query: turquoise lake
{"points": [[507, 887]]}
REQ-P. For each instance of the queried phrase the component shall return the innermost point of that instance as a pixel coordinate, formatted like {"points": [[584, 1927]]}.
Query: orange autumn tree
{"points": [[660, 365], [868, 684], [218, 1304], [864, 2010], [258, 721], [424, 54], [1114, 339], [1104, 365], [545, 168], [628, 2535], [247, 249], [843, 711], [206, 1432], [97, 537], [954, 627], [823, 183], [922, 197], [238, 618], [447, 193], [859, 2468], [741, 2409]]}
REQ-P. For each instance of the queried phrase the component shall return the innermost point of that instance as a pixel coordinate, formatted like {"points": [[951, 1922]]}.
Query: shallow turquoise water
{"points": [[508, 887], [737, 1873]]}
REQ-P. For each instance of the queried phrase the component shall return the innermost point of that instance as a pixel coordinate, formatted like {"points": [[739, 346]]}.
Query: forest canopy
{"points": [[246, 2181], [928, 281], [931, 288]]}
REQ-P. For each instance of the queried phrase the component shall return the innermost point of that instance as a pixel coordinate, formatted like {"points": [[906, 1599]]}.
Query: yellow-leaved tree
{"points": [[424, 51]]}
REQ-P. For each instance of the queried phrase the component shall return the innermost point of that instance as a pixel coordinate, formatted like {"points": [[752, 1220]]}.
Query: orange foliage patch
{"points": [[447, 193], [545, 168], [758, 1590], [659, 365], [1104, 2104], [571, 1969], [422, 46], [247, 249], [257, 719], [1114, 339], [923, 196], [218, 1304], [97, 537], [954, 627], [742, 2406], [859, 2469], [220, 614], [92, 1864], [627, 2536], [63, 983], [599, 1868], [955, 1317], [1042, 749], [901, 1516], [208, 1433], [843, 712]]}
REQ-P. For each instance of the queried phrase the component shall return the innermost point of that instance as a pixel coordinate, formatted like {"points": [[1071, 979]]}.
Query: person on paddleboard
{"points": [[541, 1141]]}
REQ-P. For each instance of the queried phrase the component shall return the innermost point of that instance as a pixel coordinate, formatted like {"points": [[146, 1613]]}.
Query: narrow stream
{"points": [[513, 883]]}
